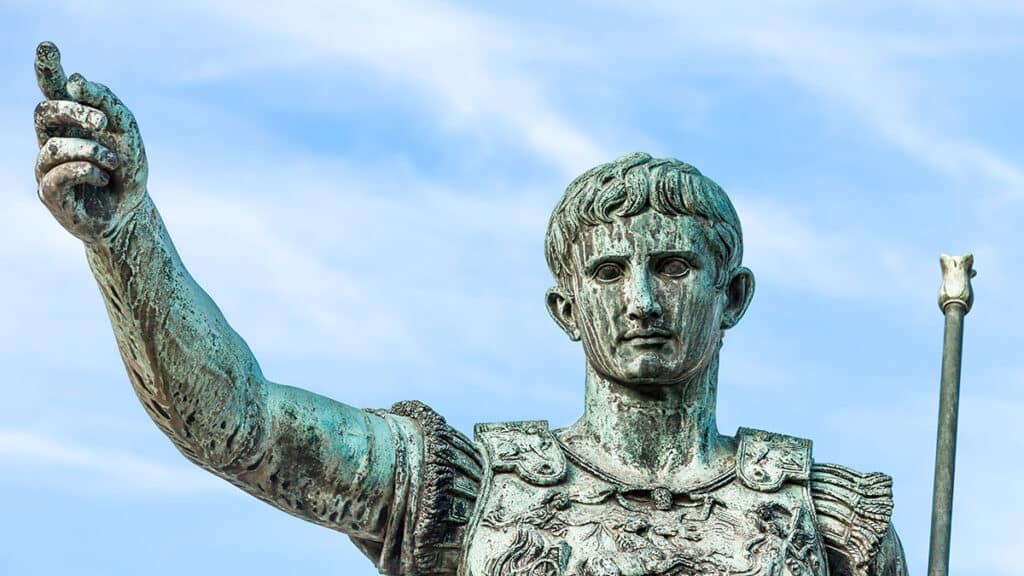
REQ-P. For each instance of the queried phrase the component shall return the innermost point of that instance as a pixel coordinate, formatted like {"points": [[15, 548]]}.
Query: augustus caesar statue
{"points": [[646, 256]]}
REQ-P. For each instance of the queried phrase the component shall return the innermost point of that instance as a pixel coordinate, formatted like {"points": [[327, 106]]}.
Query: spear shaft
{"points": [[955, 299]]}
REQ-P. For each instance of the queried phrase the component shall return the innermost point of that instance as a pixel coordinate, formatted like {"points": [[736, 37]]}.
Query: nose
{"points": [[641, 299]]}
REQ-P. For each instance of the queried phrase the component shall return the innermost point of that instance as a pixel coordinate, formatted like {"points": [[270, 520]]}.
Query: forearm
{"points": [[193, 374], [302, 452], [352, 470], [359, 472]]}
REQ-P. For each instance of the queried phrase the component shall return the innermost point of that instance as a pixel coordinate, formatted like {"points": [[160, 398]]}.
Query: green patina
{"points": [[647, 259]]}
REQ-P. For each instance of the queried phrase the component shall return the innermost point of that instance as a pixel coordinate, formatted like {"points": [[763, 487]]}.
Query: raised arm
{"points": [[344, 468]]}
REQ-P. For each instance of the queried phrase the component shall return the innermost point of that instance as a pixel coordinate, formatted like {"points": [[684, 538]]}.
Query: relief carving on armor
{"points": [[786, 545], [612, 533]]}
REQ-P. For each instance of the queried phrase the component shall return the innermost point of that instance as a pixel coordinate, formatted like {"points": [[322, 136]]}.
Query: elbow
{"points": [[222, 421]]}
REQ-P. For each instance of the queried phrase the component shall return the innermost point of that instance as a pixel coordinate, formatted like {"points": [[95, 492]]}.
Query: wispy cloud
{"points": [[472, 70], [867, 70], [792, 250], [29, 231], [129, 473], [436, 283], [364, 262]]}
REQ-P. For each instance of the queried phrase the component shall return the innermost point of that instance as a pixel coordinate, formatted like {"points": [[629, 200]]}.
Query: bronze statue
{"points": [[646, 254]]}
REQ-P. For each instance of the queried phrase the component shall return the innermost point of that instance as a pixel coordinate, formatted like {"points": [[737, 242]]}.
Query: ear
{"points": [[560, 306], [738, 293]]}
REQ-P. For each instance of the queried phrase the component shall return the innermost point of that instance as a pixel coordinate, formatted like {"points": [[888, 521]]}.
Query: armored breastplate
{"points": [[546, 512]]}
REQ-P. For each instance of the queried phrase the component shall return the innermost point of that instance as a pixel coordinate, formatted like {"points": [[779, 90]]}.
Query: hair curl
{"points": [[632, 185]]}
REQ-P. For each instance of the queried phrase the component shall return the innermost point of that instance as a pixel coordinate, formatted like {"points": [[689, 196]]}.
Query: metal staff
{"points": [[955, 299]]}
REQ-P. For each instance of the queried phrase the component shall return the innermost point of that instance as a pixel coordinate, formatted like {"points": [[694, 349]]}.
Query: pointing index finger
{"points": [[49, 73]]}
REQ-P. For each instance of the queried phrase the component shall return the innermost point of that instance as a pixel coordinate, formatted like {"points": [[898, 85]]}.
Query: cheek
{"points": [[600, 305], [597, 313], [706, 316], [693, 308]]}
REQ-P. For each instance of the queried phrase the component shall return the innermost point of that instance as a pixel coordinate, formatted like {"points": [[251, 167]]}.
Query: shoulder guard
{"points": [[765, 460], [854, 511], [439, 498], [526, 448]]}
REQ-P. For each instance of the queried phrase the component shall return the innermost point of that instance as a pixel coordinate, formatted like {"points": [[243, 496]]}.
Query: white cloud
{"points": [[471, 69], [862, 67], [29, 230], [119, 472], [784, 247], [480, 75], [399, 266], [362, 262]]}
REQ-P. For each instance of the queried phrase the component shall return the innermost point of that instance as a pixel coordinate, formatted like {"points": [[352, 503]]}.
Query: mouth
{"points": [[647, 336]]}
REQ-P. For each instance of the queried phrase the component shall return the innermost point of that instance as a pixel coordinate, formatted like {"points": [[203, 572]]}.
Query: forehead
{"points": [[647, 233]]}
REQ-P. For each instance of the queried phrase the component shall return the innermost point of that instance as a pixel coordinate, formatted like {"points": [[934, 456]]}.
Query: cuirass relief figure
{"points": [[646, 255]]}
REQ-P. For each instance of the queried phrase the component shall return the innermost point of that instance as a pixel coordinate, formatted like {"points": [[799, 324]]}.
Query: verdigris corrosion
{"points": [[646, 254]]}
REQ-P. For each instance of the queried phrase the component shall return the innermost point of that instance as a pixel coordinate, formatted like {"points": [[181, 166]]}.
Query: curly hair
{"points": [[631, 185]]}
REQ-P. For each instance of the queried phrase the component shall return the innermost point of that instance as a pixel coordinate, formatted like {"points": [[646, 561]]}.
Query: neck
{"points": [[654, 430]]}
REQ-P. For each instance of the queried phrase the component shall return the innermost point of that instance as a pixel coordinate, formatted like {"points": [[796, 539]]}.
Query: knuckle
{"points": [[52, 146], [45, 195], [78, 112], [79, 169], [48, 180]]}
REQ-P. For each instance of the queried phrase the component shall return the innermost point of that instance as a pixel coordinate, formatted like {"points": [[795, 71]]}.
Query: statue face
{"points": [[646, 305]]}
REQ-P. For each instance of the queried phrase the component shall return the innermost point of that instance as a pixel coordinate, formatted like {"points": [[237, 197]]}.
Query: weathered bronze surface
{"points": [[956, 296], [647, 259]]}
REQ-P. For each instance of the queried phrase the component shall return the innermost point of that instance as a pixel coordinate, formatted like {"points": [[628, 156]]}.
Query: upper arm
{"points": [[854, 512], [401, 482], [889, 561], [325, 461]]}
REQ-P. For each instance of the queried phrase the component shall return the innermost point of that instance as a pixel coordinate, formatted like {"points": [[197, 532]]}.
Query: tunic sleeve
{"points": [[437, 480]]}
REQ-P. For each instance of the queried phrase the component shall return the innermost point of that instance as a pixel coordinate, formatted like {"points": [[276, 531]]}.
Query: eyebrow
{"points": [[691, 256], [595, 262]]}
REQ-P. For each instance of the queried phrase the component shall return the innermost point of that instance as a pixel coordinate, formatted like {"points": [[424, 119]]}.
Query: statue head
{"points": [[646, 254]]}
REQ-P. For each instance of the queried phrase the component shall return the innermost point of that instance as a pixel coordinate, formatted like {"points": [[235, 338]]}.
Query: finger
{"points": [[98, 95], [60, 150], [54, 117], [49, 73], [56, 185]]}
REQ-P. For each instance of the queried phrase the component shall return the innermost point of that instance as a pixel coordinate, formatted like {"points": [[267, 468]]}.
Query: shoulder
{"points": [[527, 448], [444, 493], [451, 463], [767, 460], [854, 511]]}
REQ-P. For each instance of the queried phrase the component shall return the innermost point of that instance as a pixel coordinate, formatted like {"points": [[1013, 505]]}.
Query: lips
{"points": [[651, 334]]}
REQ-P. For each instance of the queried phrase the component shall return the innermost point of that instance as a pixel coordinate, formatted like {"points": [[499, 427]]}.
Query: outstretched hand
{"points": [[92, 166]]}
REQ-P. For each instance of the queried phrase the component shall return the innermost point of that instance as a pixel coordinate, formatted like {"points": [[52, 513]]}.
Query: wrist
{"points": [[141, 212]]}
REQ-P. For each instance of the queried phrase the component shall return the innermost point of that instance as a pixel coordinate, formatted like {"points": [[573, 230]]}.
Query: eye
{"points": [[608, 272], [674, 267]]}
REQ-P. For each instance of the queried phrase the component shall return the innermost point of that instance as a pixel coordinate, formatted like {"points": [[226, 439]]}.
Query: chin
{"points": [[650, 370]]}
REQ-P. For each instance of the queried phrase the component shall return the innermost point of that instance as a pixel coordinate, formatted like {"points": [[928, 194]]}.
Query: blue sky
{"points": [[363, 188]]}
